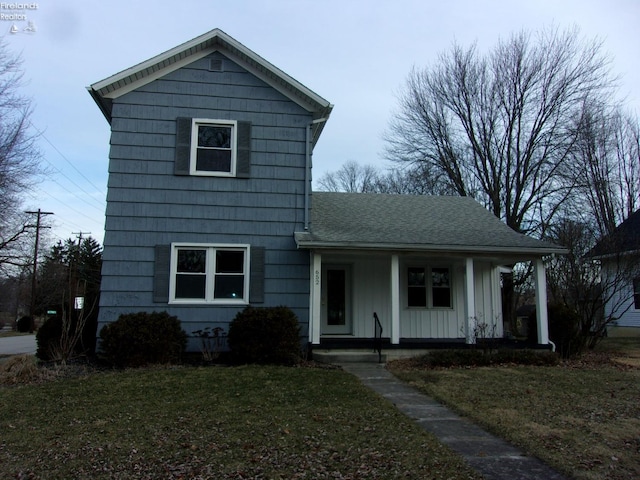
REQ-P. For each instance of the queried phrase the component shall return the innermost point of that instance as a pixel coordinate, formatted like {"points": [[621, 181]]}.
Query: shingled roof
{"points": [[105, 91], [412, 222], [625, 238]]}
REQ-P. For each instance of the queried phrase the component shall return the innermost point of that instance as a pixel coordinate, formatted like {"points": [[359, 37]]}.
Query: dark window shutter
{"points": [[243, 155], [183, 145], [256, 285], [161, 272]]}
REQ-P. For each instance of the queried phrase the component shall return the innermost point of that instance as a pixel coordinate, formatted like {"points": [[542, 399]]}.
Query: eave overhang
{"points": [[303, 242], [104, 91]]}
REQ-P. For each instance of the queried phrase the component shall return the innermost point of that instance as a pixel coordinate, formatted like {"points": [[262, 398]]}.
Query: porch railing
{"points": [[377, 340]]}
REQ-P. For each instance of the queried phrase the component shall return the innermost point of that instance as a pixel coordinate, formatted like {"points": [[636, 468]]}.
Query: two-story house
{"points": [[210, 209]]}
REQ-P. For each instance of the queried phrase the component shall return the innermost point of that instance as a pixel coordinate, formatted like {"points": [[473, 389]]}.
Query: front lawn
{"points": [[215, 422], [582, 417]]}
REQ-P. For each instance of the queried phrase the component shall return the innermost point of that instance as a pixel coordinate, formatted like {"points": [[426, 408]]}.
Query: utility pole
{"points": [[38, 226], [79, 235]]}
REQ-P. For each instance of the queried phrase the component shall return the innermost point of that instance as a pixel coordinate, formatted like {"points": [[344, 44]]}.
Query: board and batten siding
{"points": [[148, 205], [433, 322], [371, 292], [488, 299]]}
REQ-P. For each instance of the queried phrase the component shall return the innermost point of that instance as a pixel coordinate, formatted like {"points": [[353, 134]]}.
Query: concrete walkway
{"points": [[489, 455]]}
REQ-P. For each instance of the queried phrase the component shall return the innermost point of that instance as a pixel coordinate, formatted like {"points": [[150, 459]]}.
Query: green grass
{"points": [[216, 422], [582, 417]]}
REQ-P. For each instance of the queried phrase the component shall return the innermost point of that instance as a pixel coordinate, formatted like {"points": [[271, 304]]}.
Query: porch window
{"points": [[205, 273], [636, 293], [440, 287], [428, 287], [417, 287]]}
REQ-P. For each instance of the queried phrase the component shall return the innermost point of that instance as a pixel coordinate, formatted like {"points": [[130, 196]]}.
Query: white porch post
{"points": [[395, 300], [470, 300], [541, 303], [316, 283]]}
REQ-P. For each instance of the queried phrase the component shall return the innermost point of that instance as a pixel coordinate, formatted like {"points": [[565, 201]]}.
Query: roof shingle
{"points": [[415, 222]]}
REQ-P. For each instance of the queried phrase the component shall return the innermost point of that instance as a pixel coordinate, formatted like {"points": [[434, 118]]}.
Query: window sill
{"points": [[217, 303]]}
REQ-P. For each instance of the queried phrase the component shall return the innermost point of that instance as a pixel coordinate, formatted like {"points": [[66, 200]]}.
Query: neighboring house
{"points": [[619, 255], [210, 209]]}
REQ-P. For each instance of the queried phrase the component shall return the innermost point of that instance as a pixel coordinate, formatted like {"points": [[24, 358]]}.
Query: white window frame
{"points": [[428, 286], [210, 273], [195, 124]]}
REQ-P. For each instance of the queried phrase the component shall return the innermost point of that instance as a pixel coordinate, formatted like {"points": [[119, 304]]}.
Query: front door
{"points": [[336, 300]]}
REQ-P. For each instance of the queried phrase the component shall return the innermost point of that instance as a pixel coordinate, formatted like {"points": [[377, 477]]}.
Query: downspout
{"points": [[307, 170], [307, 177]]}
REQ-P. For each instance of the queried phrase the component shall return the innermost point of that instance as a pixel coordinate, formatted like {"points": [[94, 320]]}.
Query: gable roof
{"points": [[412, 223], [625, 238], [104, 91]]}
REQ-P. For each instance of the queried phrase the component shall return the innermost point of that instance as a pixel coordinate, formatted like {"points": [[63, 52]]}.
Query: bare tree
{"points": [[500, 127], [19, 156], [593, 279], [607, 165], [351, 177], [408, 180], [413, 180]]}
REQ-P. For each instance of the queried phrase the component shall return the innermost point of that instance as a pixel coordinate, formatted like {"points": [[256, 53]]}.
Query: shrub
{"points": [[479, 358], [527, 357], [23, 325], [48, 338], [138, 339], [19, 369], [265, 335], [564, 329]]}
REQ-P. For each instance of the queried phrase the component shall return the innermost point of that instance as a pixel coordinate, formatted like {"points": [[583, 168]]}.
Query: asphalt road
{"points": [[18, 345]]}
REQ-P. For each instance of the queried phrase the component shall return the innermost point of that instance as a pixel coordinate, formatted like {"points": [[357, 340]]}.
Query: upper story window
{"points": [[636, 293], [429, 287], [213, 147], [209, 273]]}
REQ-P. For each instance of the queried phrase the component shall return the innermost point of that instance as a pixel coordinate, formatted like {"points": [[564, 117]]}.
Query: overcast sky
{"points": [[354, 53]]}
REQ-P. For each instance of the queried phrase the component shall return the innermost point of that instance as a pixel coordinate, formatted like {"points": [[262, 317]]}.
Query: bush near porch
{"points": [[265, 335]]}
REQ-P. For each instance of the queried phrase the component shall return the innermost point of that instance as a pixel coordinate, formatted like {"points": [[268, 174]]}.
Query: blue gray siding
{"points": [[148, 205]]}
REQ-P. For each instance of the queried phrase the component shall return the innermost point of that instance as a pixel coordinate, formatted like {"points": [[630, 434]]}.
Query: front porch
{"points": [[423, 301], [430, 266]]}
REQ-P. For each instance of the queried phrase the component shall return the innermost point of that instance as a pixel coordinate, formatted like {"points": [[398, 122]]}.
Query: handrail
{"points": [[377, 341]]}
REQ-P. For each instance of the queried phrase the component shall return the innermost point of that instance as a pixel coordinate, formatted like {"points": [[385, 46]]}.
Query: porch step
{"points": [[347, 356]]}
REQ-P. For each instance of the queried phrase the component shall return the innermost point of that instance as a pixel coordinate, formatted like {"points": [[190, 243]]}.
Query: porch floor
{"points": [[360, 350]]}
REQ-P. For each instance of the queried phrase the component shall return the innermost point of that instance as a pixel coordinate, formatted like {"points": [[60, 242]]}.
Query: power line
{"points": [[66, 222], [41, 133], [70, 207], [76, 185]]}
